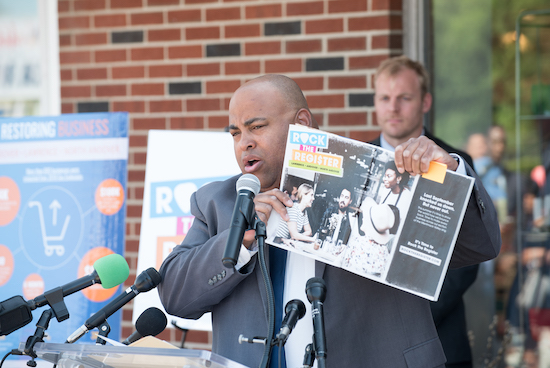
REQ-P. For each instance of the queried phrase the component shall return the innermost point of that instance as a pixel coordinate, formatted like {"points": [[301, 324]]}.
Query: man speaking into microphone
{"points": [[366, 323]]}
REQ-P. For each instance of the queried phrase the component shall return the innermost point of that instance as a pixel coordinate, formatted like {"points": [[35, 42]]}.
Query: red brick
{"points": [[242, 67], [223, 86], [225, 103], [310, 83], [110, 90], [162, 2], [347, 44], [319, 117], [194, 70], [200, 33], [262, 48], [200, 1], [67, 108], [366, 62], [185, 52], [165, 106], [184, 16], [63, 6], [146, 18], [387, 42], [172, 70], [137, 140], [126, 4], [387, 5], [223, 14], [91, 73], [242, 30], [140, 158], [110, 20], [203, 104], [173, 34], [364, 136], [149, 123], [83, 5], [384, 22], [324, 101], [130, 106], [298, 47], [124, 72], [66, 74], [74, 22], [149, 53], [65, 40], [263, 11], [324, 26], [105, 56], [187, 122], [145, 89], [357, 81], [305, 8], [218, 122], [139, 195], [199, 336], [74, 57], [348, 118], [347, 6], [283, 66], [91, 38], [76, 91], [135, 210]]}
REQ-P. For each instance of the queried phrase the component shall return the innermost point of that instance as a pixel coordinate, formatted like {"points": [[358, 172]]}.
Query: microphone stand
{"points": [[41, 327]]}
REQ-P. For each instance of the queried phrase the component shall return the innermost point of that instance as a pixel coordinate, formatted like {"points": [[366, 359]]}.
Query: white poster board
{"points": [[178, 163]]}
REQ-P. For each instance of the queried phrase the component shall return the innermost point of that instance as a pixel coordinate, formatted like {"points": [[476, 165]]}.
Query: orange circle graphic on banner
{"points": [[6, 264], [109, 196], [10, 200], [96, 292], [33, 286]]}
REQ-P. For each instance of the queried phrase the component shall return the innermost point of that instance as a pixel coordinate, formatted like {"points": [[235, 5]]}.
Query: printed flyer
{"points": [[354, 210]]}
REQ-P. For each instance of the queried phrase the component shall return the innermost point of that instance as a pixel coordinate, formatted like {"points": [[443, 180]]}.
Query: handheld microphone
{"points": [[295, 310], [15, 312], [150, 323], [316, 292], [145, 281], [248, 186]]}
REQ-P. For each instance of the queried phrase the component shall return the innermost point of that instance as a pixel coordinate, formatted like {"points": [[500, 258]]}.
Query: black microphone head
{"points": [[297, 305], [249, 182], [151, 322], [316, 290], [147, 280]]}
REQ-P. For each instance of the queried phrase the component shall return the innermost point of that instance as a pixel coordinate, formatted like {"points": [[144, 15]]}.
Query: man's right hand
{"points": [[273, 199]]}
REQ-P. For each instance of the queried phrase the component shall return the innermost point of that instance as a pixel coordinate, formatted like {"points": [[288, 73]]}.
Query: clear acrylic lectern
{"points": [[102, 356]]}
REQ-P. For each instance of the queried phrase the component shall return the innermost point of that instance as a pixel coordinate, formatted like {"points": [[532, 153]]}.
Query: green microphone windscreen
{"points": [[112, 270]]}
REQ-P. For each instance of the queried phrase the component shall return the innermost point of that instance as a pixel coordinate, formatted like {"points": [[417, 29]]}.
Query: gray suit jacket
{"points": [[366, 323]]}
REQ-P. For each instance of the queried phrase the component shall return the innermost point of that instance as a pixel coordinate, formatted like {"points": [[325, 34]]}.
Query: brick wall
{"points": [[173, 64]]}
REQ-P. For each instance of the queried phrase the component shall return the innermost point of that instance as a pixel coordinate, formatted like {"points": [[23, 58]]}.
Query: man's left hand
{"points": [[416, 154]]}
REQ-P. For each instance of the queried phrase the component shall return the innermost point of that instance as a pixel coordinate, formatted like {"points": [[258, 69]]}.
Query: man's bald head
{"points": [[289, 90]]}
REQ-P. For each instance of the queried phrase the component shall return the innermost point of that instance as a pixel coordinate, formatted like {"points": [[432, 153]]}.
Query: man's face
{"points": [[345, 199], [258, 122], [399, 106]]}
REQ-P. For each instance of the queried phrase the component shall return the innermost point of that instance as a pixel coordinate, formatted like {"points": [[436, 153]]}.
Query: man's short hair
{"points": [[396, 64]]}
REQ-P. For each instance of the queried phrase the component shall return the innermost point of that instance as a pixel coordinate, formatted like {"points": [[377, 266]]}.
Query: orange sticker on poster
{"points": [[109, 197], [165, 244], [6, 264], [96, 292], [10, 200], [33, 286]]}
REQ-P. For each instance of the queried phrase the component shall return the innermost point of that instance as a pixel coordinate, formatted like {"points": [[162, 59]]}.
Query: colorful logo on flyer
{"points": [[315, 139], [324, 163]]}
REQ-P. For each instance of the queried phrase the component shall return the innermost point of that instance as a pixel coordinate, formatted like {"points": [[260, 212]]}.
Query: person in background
{"points": [[401, 100]]}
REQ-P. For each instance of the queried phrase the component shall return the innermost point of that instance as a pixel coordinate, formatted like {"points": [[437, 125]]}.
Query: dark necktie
{"points": [[277, 265]]}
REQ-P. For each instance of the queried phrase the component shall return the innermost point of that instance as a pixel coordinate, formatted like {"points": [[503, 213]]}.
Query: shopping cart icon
{"points": [[49, 248]]}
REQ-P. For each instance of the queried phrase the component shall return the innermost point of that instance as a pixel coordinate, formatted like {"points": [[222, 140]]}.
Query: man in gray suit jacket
{"points": [[367, 324]]}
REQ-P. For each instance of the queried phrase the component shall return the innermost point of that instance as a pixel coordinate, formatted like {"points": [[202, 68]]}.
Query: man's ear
{"points": [[427, 102], [304, 117]]}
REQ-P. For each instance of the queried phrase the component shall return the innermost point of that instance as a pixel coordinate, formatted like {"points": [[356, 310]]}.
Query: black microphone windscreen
{"points": [[151, 322]]}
